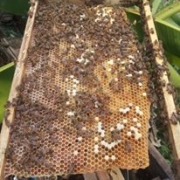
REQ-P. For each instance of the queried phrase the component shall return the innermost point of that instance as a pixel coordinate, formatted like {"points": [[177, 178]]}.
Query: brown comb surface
{"points": [[83, 105]]}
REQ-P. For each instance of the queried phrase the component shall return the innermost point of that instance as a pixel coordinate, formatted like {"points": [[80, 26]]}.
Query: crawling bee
{"points": [[128, 147], [174, 118]]}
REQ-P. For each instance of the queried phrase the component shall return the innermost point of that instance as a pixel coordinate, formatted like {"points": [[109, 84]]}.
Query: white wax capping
{"points": [[102, 133], [96, 139], [140, 113], [72, 46], [121, 110], [75, 153], [123, 62], [124, 111], [79, 138], [129, 134], [96, 118], [130, 104], [129, 75], [68, 92], [127, 109], [109, 146], [82, 15], [138, 124], [135, 119], [114, 144], [138, 135], [120, 126], [106, 157], [130, 57], [67, 103], [99, 127], [100, 124], [76, 81], [74, 92], [96, 151], [132, 128], [84, 128], [96, 104], [131, 61], [125, 121], [103, 143], [113, 158], [70, 113], [74, 85], [111, 62], [96, 146]]}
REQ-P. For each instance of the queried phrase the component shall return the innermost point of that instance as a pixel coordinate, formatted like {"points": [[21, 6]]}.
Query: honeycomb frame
{"points": [[128, 154]]}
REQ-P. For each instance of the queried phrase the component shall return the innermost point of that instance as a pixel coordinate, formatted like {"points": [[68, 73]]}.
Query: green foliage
{"points": [[174, 76], [6, 75], [167, 25], [164, 149], [18, 7], [176, 18], [159, 5], [135, 19], [166, 152], [167, 21]]}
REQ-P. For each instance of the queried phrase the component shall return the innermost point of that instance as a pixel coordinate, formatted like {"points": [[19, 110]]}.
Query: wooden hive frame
{"points": [[174, 130], [18, 75]]}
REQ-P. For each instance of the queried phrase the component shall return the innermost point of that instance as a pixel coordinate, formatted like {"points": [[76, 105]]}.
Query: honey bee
{"points": [[30, 13], [128, 146], [170, 88], [151, 30], [174, 118], [32, 2]]}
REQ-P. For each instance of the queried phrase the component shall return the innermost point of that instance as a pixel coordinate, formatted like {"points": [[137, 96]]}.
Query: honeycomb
{"points": [[83, 104]]}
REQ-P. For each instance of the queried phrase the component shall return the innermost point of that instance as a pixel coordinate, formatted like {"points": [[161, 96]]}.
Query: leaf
{"points": [[134, 17], [18, 7], [167, 29], [176, 18], [6, 75], [172, 59], [174, 76], [155, 6], [159, 5]]}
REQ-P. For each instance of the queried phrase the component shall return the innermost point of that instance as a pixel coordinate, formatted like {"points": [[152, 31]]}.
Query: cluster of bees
{"points": [[80, 63]]}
